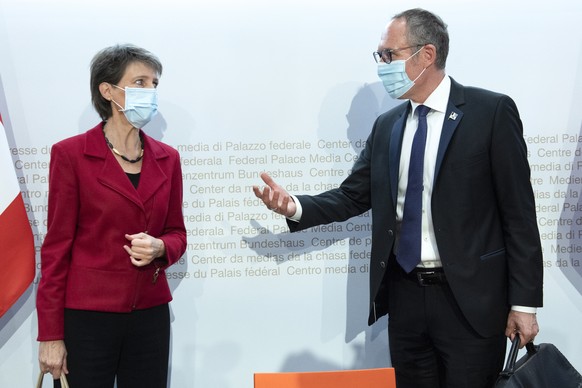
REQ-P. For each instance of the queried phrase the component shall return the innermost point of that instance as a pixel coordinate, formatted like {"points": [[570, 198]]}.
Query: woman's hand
{"points": [[144, 248], [52, 358]]}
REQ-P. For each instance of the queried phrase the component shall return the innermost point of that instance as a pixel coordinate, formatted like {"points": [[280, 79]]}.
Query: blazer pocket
{"points": [[495, 253], [475, 167], [470, 161]]}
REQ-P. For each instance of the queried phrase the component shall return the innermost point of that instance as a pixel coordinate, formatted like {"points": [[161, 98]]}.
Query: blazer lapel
{"points": [[394, 152], [152, 176], [113, 176], [453, 117]]}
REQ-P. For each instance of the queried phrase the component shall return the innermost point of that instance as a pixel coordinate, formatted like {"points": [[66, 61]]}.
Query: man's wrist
{"points": [[524, 309], [299, 210]]}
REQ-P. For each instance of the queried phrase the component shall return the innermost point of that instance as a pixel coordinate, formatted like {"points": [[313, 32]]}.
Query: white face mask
{"points": [[394, 77], [141, 105]]}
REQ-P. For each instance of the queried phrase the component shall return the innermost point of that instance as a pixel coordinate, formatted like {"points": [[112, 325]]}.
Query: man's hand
{"points": [[275, 197], [524, 323]]}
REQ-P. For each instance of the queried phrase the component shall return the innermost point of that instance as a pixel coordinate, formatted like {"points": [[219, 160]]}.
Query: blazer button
{"points": [[383, 264], [390, 232]]}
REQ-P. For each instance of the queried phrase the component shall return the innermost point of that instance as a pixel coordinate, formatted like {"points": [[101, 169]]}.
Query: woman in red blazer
{"points": [[114, 225]]}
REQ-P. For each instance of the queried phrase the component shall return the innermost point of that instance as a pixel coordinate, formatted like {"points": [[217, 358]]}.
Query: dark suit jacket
{"points": [[91, 206], [482, 206]]}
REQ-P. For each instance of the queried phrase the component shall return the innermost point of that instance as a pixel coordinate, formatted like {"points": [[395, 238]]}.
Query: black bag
{"points": [[542, 367]]}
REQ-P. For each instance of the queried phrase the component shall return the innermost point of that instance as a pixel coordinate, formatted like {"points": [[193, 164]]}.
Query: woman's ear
{"points": [[105, 90]]}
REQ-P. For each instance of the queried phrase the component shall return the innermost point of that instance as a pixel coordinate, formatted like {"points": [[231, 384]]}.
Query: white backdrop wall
{"points": [[289, 87]]}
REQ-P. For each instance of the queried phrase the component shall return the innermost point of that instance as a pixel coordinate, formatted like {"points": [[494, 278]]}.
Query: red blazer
{"points": [[91, 206]]}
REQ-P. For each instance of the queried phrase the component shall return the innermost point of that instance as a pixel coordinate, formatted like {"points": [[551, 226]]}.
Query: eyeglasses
{"points": [[386, 55]]}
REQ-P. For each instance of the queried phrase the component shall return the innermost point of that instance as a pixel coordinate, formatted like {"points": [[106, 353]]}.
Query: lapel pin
{"points": [[453, 116]]}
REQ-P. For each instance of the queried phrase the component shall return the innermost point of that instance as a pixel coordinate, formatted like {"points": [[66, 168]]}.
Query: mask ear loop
{"points": [[417, 51], [121, 109], [414, 81], [423, 70]]}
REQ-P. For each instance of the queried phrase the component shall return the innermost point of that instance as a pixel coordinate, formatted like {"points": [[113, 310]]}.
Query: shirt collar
{"points": [[439, 98]]}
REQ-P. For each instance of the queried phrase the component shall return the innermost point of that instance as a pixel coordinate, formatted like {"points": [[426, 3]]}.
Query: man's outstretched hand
{"points": [[275, 197]]}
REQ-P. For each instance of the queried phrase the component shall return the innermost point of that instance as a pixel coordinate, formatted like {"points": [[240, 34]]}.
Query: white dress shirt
{"points": [[437, 102]]}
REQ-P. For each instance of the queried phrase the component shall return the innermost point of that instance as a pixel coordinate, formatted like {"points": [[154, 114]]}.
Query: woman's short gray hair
{"points": [[109, 65]]}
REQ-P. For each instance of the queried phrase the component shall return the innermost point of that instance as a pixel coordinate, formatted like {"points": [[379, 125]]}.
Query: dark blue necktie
{"points": [[408, 255]]}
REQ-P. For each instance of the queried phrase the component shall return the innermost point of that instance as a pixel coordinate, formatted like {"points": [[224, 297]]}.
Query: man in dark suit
{"points": [[456, 256]]}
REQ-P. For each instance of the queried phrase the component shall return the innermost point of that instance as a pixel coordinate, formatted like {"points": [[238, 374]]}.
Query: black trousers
{"points": [[130, 348], [431, 343]]}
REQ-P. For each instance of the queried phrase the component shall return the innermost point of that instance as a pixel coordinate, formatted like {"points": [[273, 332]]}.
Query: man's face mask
{"points": [[393, 76]]}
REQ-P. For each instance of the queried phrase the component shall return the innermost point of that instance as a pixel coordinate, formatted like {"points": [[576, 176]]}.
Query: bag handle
{"points": [[64, 382], [512, 357]]}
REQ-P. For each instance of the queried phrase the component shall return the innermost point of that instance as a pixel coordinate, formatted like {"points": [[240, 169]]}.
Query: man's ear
{"points": [[429, 54]]}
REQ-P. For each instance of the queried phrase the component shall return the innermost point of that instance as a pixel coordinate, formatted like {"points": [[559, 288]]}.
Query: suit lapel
{"points": [[394, 152], [152, 176], [453, 117], [113, 176]]}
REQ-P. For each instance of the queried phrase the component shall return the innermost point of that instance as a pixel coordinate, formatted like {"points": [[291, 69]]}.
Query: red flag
{"points": [[17, 256]]}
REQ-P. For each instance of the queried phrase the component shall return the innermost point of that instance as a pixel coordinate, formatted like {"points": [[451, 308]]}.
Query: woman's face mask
{"points": [[141, 105]]}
